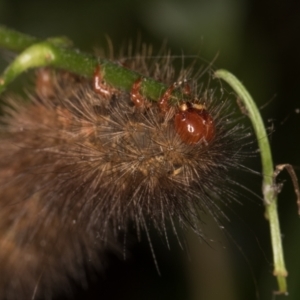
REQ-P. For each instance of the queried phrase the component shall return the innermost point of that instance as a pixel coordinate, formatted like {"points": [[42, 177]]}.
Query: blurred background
{"points": [[259, 42]]}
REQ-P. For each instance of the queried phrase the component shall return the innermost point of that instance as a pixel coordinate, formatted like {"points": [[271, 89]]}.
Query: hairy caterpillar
{"points": [[76, 166]]}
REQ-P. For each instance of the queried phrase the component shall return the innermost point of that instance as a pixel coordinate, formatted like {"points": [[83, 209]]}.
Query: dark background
{"points": [[258, 41]]}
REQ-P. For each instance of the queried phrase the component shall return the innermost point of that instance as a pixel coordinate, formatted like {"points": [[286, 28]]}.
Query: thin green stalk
{"points": [[56, 53], [269, 186], [14, 41]]}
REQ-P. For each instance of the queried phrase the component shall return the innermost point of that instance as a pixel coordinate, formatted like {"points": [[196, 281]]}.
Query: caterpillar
{"points": [[81, 162]]}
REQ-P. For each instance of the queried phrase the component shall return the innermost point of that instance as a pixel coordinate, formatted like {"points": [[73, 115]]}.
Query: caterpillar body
{"points": [[77, 165]]}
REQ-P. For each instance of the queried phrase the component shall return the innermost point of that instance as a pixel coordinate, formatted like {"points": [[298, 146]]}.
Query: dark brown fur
{"points": [[76, 168]]}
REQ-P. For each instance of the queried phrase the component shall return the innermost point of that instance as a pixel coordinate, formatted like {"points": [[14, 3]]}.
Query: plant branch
{"points": [[15, 41], [57, 53], [269, 186]]}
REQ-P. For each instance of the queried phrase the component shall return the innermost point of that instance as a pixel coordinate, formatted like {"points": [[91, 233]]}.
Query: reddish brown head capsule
{"points": [[193, 125], [192, 122]]}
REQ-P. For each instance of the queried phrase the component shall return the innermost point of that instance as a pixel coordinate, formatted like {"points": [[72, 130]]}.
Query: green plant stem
{"points": [[269, 186], [53, 52], [14, 41]]}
